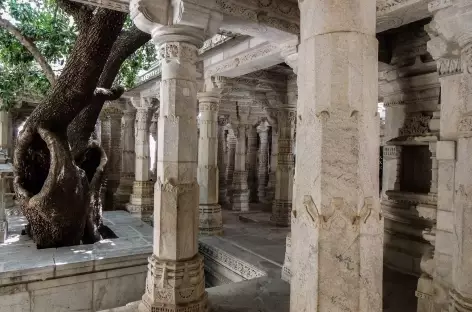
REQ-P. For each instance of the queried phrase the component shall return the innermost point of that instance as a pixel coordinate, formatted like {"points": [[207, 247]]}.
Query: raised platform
{"points": [[79, 278]]}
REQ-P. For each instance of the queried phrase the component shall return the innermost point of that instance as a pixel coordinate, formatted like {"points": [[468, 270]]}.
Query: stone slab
{"points": [[76, 278]]}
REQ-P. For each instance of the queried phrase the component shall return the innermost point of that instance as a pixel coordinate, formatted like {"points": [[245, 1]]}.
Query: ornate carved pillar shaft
{"points": [[128, 158], [175, 280], [141, 199], [111, 142], [231, 155], [240, 187], [263, 130], [251, 163], [153, 131], [222, 159], [337, 228], [282, 205], [211, 221], [274, 150]]}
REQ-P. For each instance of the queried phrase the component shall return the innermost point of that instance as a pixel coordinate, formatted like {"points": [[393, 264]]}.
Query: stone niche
{"points": [[78, 278]]}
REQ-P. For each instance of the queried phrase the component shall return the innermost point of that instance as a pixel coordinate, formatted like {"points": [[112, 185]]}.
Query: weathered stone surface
{"points": [[337, 229]]}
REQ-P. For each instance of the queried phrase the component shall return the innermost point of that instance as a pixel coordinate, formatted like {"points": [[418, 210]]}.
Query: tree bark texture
{"points": [[83, 125], [53, 191]]}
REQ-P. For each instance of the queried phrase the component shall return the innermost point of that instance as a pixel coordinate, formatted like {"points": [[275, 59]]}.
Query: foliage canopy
{"points": [[54, 33]]}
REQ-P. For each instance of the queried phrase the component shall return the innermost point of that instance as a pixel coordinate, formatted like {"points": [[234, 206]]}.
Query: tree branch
{"points": [[31, 47]]}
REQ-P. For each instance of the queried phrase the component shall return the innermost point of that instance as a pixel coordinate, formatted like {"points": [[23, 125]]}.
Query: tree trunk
{"points": [[52, 190], [80, 130]]}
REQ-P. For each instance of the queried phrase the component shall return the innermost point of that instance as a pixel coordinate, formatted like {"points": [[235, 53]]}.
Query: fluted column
{"points": [[211, 221], [282, 205], [262, 174], [451, 46], [251, 163], [128, 156], [240, 187], [337, 229], [141, 199], [229, 173], [222, 159]]}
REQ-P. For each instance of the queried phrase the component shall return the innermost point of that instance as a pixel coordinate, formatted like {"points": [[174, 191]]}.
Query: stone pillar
{"points": [[282, 205], [153, 131], [251, 163], [111, 142], [231, 155], [451, 46], [222, 159], [175, 280], [274, 150], [128, 156], [337, 228], [263, 130], [5, 136], [211, 221], [141, 199], [240, 187]]}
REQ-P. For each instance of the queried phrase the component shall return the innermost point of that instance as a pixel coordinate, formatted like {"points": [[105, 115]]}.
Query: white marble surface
{"points": [[77, 278]]}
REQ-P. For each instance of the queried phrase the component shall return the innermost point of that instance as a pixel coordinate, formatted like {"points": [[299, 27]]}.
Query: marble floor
{"points": [[253, 233]]}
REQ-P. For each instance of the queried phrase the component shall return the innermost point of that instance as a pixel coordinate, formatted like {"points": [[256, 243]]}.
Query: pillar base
{"points": [[286, 269], [175, 286], [211, 219], [124, 191], [281, 212], [459, 303], [141, 202]]}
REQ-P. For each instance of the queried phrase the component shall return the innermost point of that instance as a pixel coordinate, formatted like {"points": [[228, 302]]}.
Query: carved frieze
{"points": [[415, 124]]}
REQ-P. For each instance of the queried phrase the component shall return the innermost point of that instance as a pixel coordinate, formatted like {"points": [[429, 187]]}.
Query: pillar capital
{"points": [[263, 127], [451, 36], [180, 20]]}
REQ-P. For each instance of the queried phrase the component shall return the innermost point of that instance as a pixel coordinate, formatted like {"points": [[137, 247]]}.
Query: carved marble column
{"points": [[222, 158], [337, 228], [211, 221], [175, 280], [451, 45], [240, 187], [128, 157], [274, 150], [5, 136], [153, 130], [231, 155], [111, 141], [263, 130], [141, 199], [282, 205], [251, 163]]}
